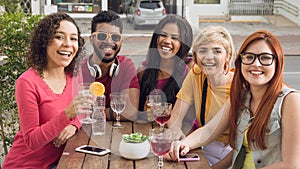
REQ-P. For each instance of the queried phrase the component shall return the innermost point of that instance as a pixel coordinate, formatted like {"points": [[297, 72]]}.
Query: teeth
{"points": [[65, 53], [107, 48], [166, 48], [208, 64], [256, 72]]}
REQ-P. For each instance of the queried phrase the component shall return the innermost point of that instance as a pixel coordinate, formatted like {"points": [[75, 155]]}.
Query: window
{"points": [[207, 2], [150, 4]]}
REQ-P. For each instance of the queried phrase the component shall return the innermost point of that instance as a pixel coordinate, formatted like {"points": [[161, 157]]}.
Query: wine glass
{"points": [[88, 109], [161, 143], [151, 99], [162, 113], [118, 103]]}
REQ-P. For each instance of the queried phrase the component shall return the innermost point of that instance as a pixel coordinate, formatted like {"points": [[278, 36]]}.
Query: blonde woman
{"points": [[207, 86]]}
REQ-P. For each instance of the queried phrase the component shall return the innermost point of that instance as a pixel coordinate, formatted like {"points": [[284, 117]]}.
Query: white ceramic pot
{"points": [[134, 151]]}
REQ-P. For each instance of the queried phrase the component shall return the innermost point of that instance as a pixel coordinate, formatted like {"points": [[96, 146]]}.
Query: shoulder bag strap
{"points": [[203, 104]]}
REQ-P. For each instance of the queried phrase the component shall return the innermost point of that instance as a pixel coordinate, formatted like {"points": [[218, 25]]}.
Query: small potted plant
{"points": [[134, 146]]}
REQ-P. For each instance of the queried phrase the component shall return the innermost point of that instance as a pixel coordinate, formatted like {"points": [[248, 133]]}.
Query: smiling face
{"points": [[257, 74], [64, 45], [211, 58], [168, 42], [108, 49]]}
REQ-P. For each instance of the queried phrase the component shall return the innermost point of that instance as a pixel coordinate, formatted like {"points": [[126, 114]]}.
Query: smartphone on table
{"points": [[92, 150], [190, 157]]}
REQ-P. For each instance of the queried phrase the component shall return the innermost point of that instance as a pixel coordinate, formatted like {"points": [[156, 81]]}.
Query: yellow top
{"points": [[191, 91], [249, 162]]}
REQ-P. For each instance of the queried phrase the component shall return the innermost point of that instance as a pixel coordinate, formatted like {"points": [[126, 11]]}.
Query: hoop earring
{"points": [[226, 68], [196, 69]]}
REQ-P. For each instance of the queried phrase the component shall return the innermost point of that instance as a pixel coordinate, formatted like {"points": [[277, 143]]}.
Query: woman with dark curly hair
{"points": [[44, 95]]}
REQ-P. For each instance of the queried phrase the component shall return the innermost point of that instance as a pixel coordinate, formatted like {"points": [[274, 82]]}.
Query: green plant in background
{"points": [[11, 6], [15, 35]]}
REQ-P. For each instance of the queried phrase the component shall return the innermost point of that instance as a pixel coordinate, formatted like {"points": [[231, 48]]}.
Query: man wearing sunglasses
{"points": [[117, 73]]}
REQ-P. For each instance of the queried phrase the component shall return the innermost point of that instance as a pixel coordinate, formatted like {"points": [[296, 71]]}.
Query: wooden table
{"points": [[111, 139]]}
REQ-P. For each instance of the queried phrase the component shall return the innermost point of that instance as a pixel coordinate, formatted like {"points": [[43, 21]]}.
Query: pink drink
{"points": [[162, 119], [160, 147]]}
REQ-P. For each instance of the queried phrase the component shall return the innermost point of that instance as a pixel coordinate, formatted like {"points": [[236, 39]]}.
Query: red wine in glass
{"points": [[161, 143], [162, 119], [162, 113], [161, 147]]}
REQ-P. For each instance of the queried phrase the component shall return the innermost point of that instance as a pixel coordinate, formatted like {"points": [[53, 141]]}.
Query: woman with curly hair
{"points": [[44, 95]]}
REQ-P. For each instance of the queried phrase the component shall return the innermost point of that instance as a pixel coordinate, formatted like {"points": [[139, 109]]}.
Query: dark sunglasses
{"points": [[102, 36], [265, 59]]}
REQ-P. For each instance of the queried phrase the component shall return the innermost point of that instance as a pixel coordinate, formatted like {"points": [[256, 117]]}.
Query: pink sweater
{"points": [[42, 118]]}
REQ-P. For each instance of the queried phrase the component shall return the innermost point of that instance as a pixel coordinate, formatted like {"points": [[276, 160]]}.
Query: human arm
{"points": [[63, 137], [177, 115], [290, 138], [204, 135], [42, 115], [68, 131], [72, 110], [186, 96]]}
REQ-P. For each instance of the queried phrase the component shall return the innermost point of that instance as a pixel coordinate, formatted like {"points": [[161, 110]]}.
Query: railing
{"points": [[266, 7], [250, 8], [287, 6]]}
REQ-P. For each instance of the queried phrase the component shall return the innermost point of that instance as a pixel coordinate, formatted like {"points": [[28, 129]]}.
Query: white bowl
{"points": [[134, 151]]}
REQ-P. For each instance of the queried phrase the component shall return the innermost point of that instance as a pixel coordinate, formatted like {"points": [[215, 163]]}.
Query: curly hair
{"points": [[106, 17], [43, 35], [150, 75]]}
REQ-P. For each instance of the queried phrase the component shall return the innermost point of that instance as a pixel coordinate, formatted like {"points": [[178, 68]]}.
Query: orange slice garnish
{"points": [[97, 89]]}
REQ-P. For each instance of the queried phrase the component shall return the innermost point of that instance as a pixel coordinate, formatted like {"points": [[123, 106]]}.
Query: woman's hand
{"points": [[63, 137], [179, 148], [81, 104]]}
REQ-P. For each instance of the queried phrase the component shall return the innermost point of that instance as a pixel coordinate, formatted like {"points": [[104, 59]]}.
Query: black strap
{"points": [[203, 104]]}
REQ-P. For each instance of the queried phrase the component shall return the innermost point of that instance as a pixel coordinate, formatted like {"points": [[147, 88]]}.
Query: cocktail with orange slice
{"points": [[96, 89]]}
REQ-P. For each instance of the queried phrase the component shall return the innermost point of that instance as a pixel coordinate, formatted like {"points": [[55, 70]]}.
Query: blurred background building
{"points": [[269, 11]]}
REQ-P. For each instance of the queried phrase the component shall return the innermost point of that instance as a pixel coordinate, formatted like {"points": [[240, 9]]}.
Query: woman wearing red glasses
{"points": [[262, 114]]}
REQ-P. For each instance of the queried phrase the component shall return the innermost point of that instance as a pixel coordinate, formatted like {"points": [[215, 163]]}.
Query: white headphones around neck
{"points": [[96, 72]]}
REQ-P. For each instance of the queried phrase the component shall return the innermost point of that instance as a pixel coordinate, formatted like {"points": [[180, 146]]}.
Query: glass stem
{"points": [[88, 116], [118, 119], [161, 127], [160, 162]]}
